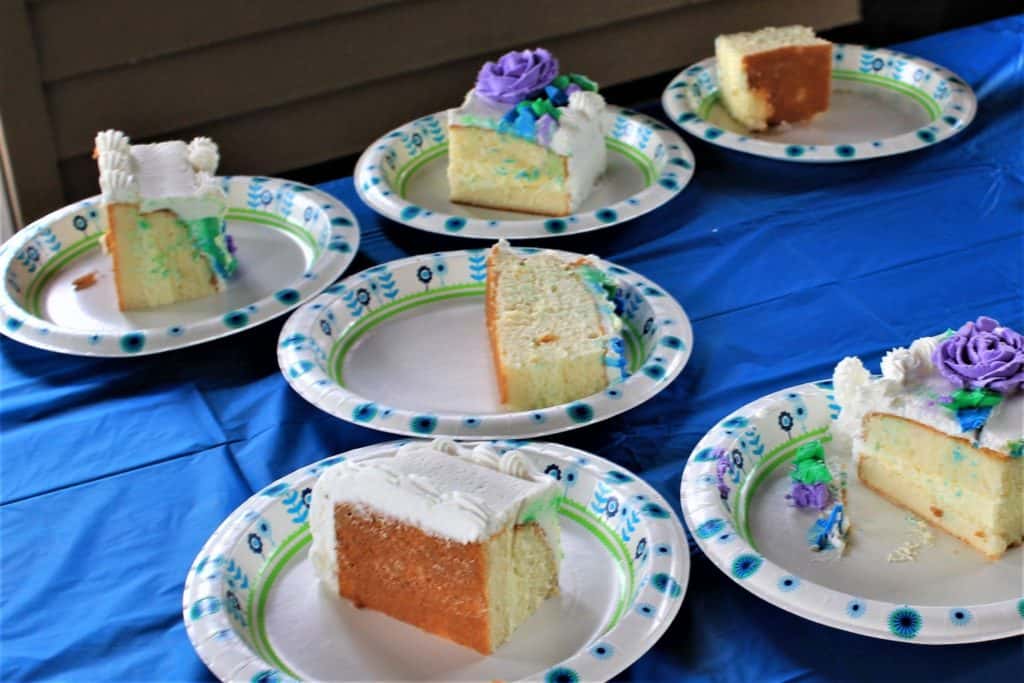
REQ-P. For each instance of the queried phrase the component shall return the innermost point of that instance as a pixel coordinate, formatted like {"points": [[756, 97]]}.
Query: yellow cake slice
{"points": [[774, 75], [941, 433], [461, 542], [526, 138], [164, 217], [554, 334]]}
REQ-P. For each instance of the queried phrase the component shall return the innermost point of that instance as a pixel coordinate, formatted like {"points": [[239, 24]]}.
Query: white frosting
{"points": [[451, 491], [909, 387], [112, 141], [165, 175], [203, 155], [579, 136]]}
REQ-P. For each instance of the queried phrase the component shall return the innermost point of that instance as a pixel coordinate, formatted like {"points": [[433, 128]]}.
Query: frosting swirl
{"points": [[203, 155]]}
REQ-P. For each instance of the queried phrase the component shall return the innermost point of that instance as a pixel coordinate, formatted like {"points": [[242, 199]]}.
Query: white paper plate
{"points": [[949, 594], [883, 103], [255, 612], [292, 240], [403, 176], [403, 348]]}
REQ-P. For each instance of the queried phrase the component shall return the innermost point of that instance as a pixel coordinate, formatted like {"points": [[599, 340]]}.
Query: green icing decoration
{"points": [[541, 106], [809, 464], [207, 236], [599, 278], [562, 82], [964, 399], [1015, 448], [583, 82]]}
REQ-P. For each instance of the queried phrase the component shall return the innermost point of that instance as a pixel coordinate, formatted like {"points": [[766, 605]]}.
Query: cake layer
{"points": [[548, 332], [973, 493], [436, 584], [156, 261], [774, 75], [500, 171]]}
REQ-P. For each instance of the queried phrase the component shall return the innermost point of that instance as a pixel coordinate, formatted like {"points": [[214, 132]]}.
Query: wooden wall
{"points": [[281, 85]]}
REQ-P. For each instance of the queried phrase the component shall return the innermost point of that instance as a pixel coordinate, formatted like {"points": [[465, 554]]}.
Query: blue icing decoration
{"points": [[525, 125], [971, 419], [557, 96]]}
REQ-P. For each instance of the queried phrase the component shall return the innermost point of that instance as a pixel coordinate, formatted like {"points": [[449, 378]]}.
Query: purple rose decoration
{"points": [[983, 355], [516, 76], [815, 496]]}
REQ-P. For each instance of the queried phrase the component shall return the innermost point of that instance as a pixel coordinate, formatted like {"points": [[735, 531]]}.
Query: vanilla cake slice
{"points": [[554, 333], [773, 76], [526, 138], [941, 433], [163, 212], [462, 542]]}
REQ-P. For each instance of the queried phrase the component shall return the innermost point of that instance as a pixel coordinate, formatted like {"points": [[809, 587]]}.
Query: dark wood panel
{"points": [[26, 142], [344, 122], [81, 36], [272, 69]]}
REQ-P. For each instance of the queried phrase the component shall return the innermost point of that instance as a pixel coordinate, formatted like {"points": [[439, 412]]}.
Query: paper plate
{"points": [[403, 176], [949, 594], [403, 348], [254, 610], [883, 103], [292, 240]]}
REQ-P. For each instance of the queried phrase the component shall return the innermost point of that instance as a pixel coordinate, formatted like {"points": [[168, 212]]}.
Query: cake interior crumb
{"points": [[85, 281]]}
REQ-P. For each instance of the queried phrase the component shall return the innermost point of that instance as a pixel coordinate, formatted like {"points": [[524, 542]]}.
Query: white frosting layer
{"points": [[165, 175], [579, 136], [910, 387], [455, 492]]}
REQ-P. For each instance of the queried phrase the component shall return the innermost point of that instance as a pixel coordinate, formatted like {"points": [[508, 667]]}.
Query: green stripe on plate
{"points": [[769, 463], [336, 358], [301, 537], [612, 543], [926, 101], [52, 267], [415, 164], [275, 564], [340, 349], [406, 172], [274, 221]]}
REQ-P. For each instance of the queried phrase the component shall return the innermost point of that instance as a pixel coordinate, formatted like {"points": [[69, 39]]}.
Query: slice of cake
{"points": [[554, 333], [526, 138], [774, 75], [461, 542], [941, 433], [164, 216]]}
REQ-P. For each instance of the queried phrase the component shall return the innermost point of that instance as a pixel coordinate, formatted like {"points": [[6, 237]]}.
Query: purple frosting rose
{"points": [[516, 76], [815, 496], [983, 355]]}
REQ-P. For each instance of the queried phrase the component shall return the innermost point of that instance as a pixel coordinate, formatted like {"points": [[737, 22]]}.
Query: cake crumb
{"points": [[907, 551], [546, 338], [85, 281], [936, 511]]}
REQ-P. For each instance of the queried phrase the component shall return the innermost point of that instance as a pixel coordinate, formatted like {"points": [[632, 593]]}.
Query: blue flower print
{"points": [[786, 422], [325, 327], [307, 496], [425, 275], [307, 214], [611, 506], [256, 544], [80, 222], [905, 622], [554, 471], [855, 609], [363, 297], [960, 616], [648, 326], [266, 197], [641, 548]]}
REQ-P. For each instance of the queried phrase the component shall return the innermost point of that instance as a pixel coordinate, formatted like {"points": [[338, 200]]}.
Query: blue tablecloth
{"points": [[115, 472]]}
